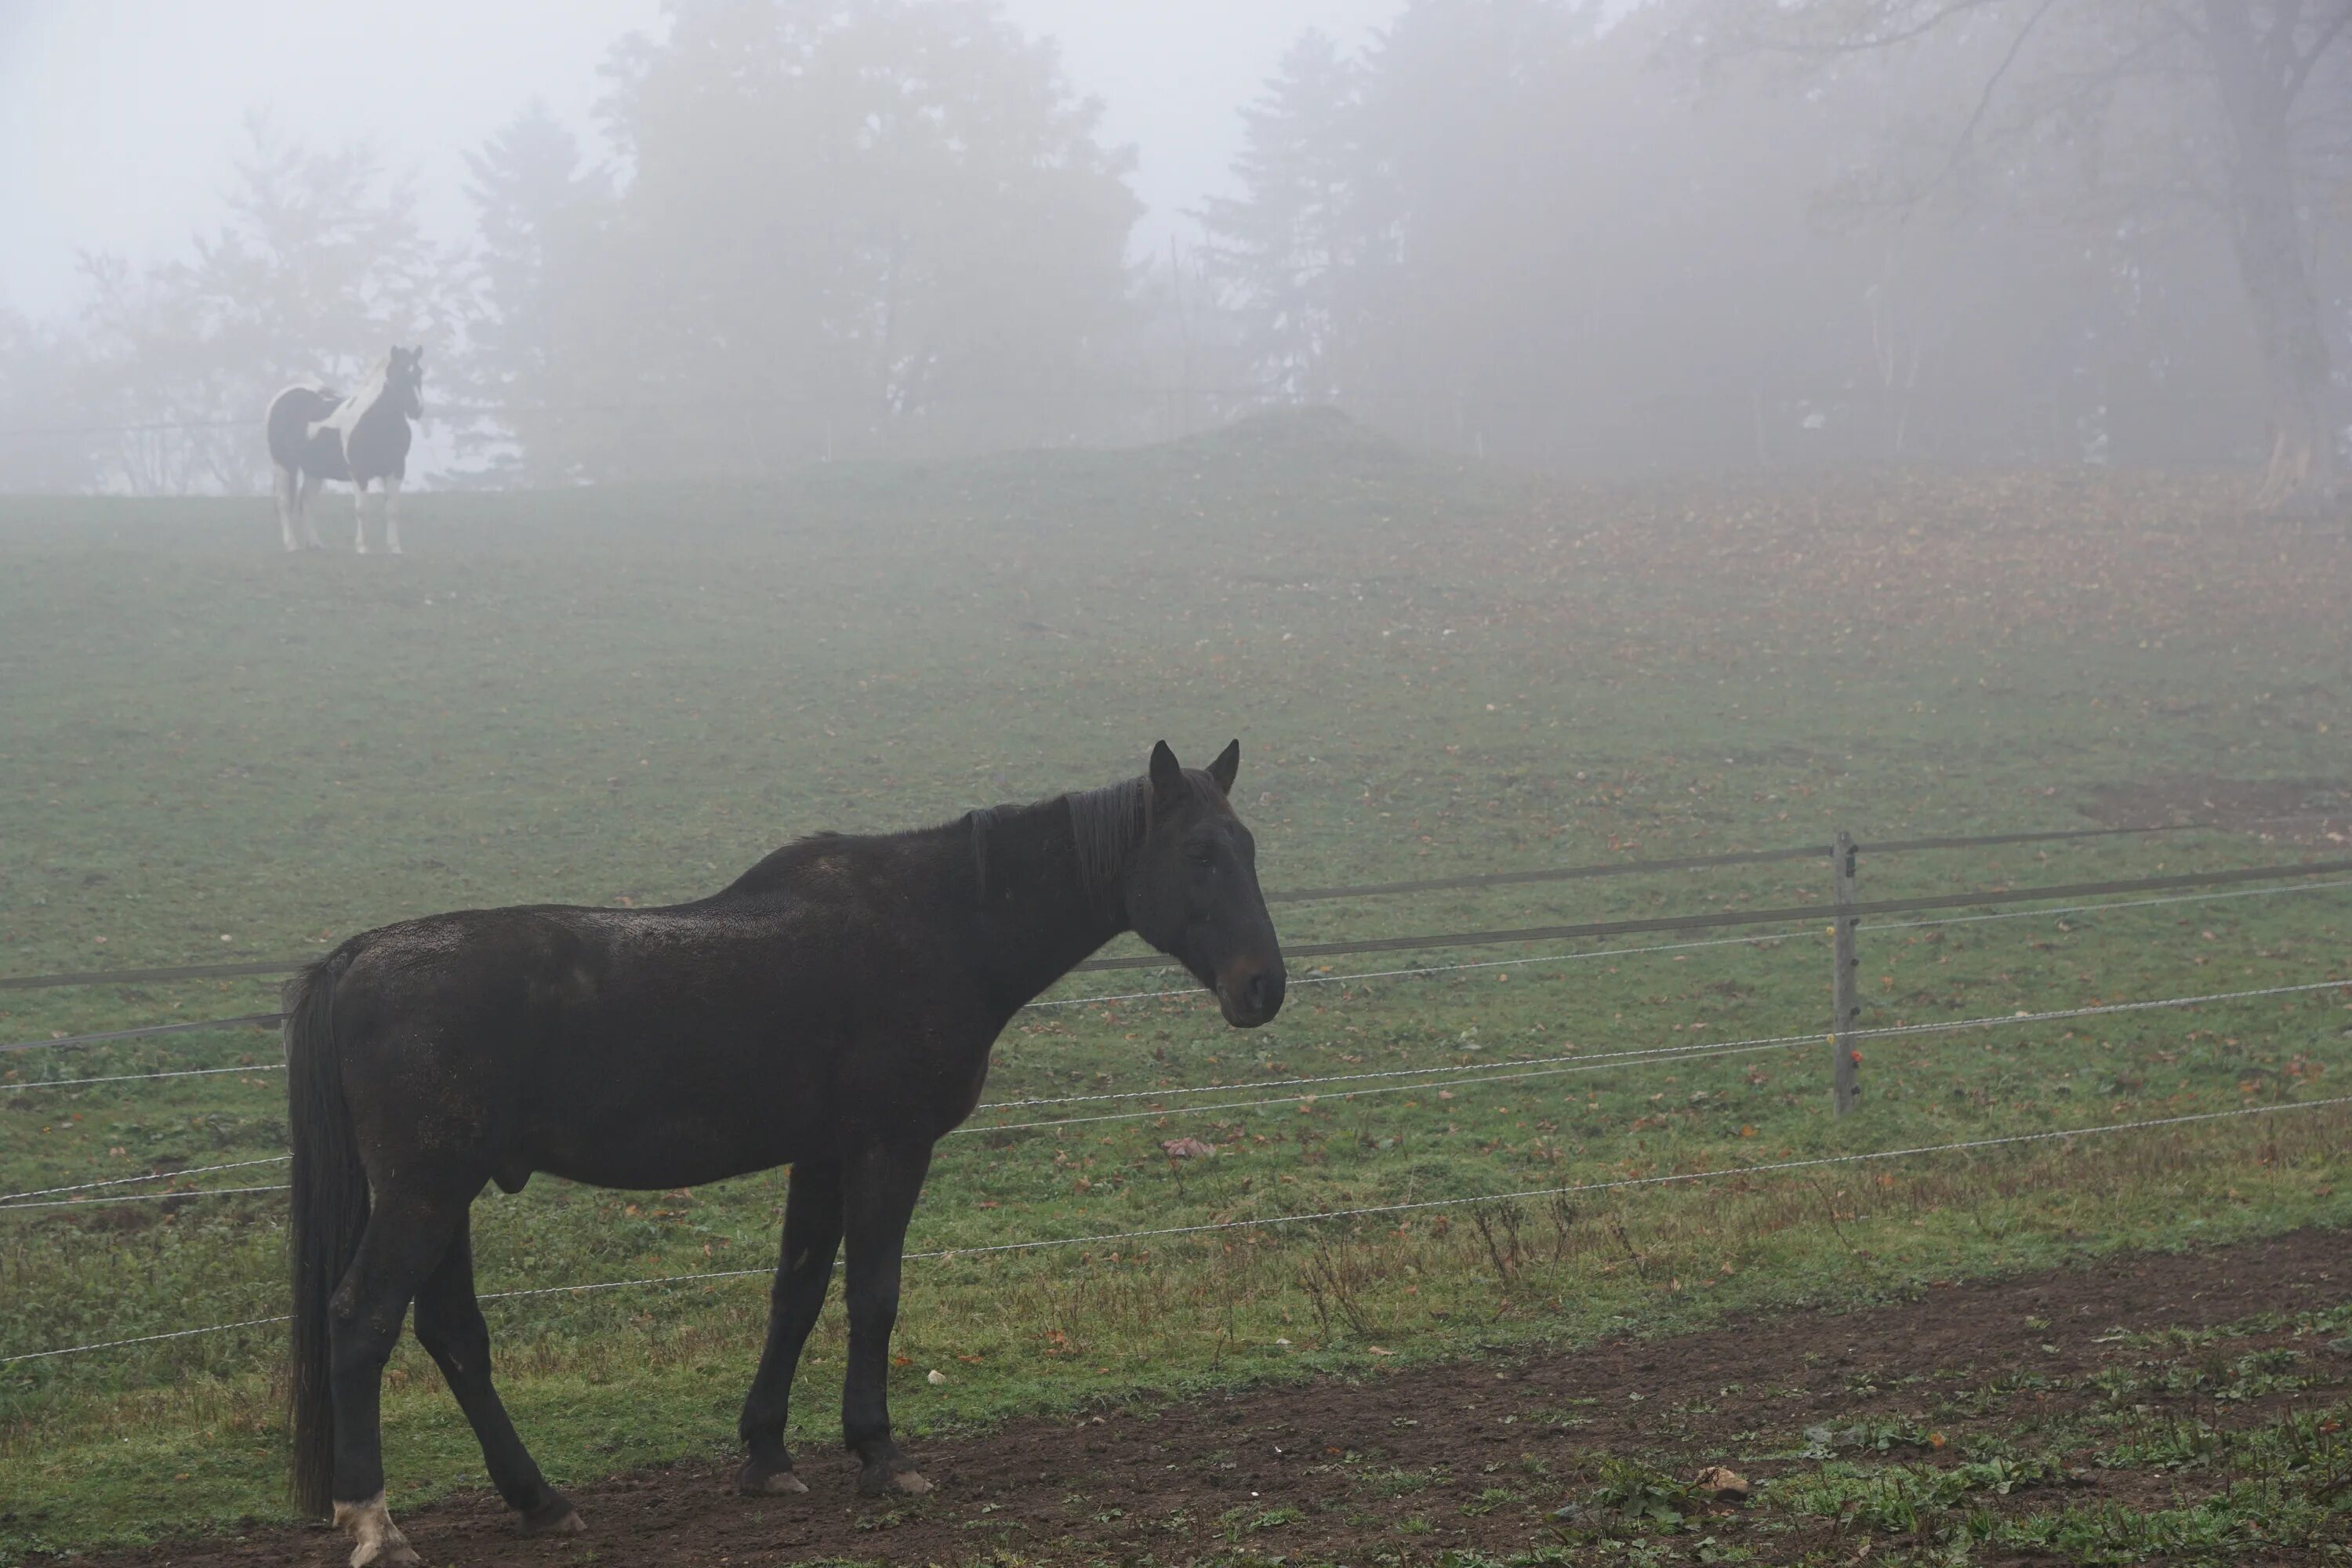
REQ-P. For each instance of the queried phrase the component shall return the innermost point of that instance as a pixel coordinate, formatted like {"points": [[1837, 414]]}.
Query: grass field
{"points": [[209, 751]]}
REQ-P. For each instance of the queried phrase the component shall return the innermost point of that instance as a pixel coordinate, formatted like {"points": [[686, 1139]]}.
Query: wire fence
{"points": [[1167, 1102], [282, 966], [1444, 1076], [1796, 915], [1570, 1189]]}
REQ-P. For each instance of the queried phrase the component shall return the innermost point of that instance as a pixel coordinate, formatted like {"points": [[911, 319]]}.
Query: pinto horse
{"points": [[832, 1010], [316, 434]]}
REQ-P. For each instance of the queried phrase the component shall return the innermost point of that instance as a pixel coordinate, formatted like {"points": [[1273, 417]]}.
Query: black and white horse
{"points": [[316, 434]]}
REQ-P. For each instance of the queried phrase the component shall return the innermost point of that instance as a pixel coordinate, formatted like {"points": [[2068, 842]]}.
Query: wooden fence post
{"points": [[1845, 1074]]}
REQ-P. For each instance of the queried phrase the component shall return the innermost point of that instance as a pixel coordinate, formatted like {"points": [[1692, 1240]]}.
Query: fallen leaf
{"points": [[1726, 1485]]}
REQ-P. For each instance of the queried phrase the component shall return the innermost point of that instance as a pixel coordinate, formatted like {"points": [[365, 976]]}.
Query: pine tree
{"points": [[539, 211], [1280, 251]]}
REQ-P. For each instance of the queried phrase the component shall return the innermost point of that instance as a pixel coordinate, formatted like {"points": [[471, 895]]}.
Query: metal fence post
{"points": [[1845, 1068]]}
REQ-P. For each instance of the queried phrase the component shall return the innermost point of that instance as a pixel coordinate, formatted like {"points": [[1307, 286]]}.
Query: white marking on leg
{"points": [[282, 486], [359, 515], [376, 1542], [311, 485], [392, 514]]}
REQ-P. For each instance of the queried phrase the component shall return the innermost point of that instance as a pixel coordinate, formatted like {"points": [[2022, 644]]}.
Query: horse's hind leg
{"points": [[285, 486], [812, 1238], [311, 485], [880, 1189], [449, 1326], [405, 1237]]}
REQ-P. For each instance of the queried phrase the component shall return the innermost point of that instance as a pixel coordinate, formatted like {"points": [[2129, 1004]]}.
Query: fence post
{"points": [[1845, 1075]]}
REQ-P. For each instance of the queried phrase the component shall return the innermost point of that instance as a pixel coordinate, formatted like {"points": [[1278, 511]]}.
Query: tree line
{"points": [[1704, 233]]}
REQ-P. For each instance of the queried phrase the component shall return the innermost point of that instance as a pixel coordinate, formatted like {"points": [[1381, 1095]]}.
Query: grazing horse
{"points": [[316, 434], [833, 1009]]}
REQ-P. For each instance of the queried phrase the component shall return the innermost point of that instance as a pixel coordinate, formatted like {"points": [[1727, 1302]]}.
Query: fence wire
{"points": [[1806, 917], [1360, 1212], [1441, 1076], [265, 967]]}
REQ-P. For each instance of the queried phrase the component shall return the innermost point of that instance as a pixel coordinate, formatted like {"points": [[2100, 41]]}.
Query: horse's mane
{"points": [[1109, 824], [371, 384], [346, 414]]}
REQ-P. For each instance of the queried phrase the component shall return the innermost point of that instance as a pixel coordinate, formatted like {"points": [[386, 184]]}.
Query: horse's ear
{"points": [[1167, 774], [1228, 764]]}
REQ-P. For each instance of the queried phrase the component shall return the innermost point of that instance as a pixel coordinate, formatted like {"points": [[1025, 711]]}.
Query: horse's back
{"points": [[292, 445], [626, 1047]]}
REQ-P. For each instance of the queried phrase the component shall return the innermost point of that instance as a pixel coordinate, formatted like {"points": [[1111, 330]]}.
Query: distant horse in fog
{"points": [[316, 434]]}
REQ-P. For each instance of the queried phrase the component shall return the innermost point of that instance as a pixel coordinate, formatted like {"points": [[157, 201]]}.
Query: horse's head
{"points": [[1191, 888], [404, 380]]}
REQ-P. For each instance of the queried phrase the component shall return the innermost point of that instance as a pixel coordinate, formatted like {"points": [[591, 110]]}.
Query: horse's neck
{"points": [[1038, 918], [359, 404]]}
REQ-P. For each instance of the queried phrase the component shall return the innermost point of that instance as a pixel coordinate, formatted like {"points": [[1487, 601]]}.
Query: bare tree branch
{"points": [[2277, 45], [1941, 15], [1992, 82], [2329, 31]]}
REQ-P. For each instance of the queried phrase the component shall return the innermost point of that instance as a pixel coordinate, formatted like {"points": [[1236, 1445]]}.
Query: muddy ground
{"points": [[1477, 1455]]}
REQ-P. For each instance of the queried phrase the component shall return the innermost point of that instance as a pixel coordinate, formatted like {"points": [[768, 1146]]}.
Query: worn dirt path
{"points": [[1479, 1453]]}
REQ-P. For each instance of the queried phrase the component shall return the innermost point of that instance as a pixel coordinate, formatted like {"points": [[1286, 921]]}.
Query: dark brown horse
{"points": [[834, 1010]]}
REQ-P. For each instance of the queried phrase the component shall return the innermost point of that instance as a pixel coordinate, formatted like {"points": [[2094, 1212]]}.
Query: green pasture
{"points": [[210, 751]]}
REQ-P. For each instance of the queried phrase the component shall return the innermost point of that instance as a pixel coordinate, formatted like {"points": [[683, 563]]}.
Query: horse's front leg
{"points": [[880, 1188], [812, 1238], [359, 515], [392, 514]]}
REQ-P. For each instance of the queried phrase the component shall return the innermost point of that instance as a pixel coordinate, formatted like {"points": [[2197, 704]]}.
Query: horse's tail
{"points": [[331, 1210]]}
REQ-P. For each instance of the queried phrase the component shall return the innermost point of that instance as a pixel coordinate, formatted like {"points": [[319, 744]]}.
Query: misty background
{"points": [[719, 238]]}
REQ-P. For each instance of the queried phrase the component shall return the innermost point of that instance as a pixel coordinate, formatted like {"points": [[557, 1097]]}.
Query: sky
{"points": [[119, 118]]}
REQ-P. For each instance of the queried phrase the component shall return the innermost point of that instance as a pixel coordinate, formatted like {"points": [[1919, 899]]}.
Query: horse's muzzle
{"points": [[1250, 996]]}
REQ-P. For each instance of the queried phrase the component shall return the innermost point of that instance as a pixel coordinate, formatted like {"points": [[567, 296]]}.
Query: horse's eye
{"points": [[1203, 855]]}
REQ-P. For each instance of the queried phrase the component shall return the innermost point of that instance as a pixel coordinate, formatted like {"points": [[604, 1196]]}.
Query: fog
{"points": [[724, 237]]}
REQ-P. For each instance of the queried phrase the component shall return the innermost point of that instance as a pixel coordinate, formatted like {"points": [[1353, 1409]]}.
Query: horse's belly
{"points": [[650, 1167], [689, 1122]]}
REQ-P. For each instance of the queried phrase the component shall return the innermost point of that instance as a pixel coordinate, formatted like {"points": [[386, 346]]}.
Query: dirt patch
{"points": [[1472, 1455], [2284, 812]]}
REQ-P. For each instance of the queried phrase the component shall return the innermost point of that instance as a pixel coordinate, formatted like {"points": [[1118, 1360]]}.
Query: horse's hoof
{"points": [[556, 1516], [756, 1479], [878, 1480], [377, 1542]]}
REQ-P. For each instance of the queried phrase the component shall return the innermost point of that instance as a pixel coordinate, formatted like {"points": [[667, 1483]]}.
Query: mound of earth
{"points": [[1295, 435]]}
